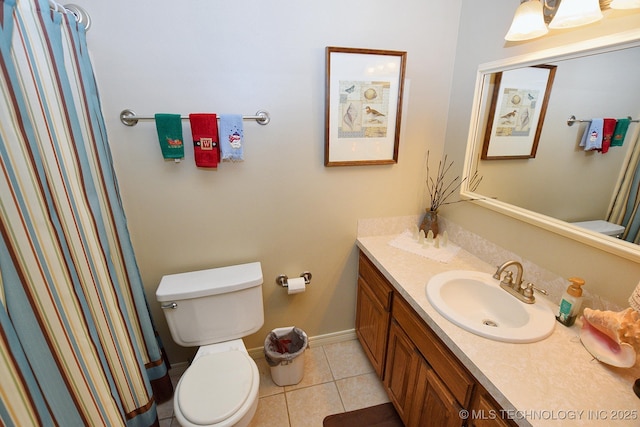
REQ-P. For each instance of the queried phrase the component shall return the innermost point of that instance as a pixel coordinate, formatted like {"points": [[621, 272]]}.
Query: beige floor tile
{"points": [[337, 377], [271, 412], [176, 371], [347, 359], [361, 391], [267, 386], [316, 369], [309, 406], [165, 410]]}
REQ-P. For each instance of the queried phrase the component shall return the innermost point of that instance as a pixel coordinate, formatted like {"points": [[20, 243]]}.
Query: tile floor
{"points": [[337, 378]]}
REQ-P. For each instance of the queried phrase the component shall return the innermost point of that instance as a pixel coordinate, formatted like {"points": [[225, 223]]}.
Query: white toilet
{"points": [[214, 309], [602, 226]]}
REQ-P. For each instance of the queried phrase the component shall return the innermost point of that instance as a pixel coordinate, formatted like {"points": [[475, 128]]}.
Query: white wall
{"points": [[480, 41], [281, 206]]}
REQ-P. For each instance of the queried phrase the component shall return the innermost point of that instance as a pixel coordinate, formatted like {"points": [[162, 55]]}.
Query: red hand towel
{"points": [[204, 130], [607, 133]]}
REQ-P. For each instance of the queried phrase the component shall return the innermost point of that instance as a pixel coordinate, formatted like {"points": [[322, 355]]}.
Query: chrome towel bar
{"points": [[571, 120], [130, 118]]}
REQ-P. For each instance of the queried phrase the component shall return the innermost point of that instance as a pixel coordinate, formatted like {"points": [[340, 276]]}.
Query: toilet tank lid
{"points": [[213, 281], [601, 226]]}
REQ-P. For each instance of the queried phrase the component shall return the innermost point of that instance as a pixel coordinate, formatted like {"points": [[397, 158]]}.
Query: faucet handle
{"points": [[537, 289], [508, 279], [527, 292]]}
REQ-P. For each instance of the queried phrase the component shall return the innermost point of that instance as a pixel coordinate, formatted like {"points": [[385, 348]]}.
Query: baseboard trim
{"points": [[318, 340]]}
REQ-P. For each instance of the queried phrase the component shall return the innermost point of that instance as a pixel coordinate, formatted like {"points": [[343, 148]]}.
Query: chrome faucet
{"points": [[514, 286]]}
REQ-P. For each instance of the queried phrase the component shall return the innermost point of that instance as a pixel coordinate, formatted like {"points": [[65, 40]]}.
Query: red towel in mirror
{"points": [[607, 133], [204, 130]]}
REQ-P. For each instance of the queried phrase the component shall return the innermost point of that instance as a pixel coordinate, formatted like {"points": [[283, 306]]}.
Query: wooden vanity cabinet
{"points": [[373, 313], [419, 396], [402, 365], [422, 378], [434, 405], [426, 382], [487, 413]]}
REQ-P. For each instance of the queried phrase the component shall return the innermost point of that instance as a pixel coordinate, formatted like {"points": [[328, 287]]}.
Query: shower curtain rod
{"points": [[81, 16]]}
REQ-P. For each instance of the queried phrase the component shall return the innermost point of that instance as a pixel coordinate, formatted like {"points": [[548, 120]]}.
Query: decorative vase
{"points": [[430, 222]]}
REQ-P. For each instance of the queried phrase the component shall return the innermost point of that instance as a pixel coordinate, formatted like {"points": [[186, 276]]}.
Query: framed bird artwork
{"points": [[363, 106], [515, 114]]}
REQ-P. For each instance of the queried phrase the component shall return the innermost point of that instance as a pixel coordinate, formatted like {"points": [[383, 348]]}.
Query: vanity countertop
{"points": [[553, 382]]}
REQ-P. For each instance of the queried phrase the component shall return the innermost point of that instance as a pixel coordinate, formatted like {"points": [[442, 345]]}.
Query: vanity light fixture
{"points": [[531, 17], [574, 13], [528, 22], [625, 4]]}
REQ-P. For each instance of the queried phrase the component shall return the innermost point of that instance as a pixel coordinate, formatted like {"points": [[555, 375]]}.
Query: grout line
{"points": [[286, 404], [326, 356]]}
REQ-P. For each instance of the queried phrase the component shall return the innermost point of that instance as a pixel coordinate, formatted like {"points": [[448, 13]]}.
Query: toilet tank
{"points": [[210, 306], [602, 226]]}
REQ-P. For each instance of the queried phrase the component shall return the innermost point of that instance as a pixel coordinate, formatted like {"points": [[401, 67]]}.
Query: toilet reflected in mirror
{"points": [[602, 226]]}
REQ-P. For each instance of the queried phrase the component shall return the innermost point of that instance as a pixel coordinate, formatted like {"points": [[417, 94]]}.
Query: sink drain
{"points": [[489, 322]]}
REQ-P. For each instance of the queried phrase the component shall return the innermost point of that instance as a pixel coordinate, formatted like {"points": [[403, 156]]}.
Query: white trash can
{"points": [[284, 351]]}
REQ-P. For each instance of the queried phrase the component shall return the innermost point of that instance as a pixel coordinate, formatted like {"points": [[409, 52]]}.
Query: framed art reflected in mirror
{"points": [[516, 113]]}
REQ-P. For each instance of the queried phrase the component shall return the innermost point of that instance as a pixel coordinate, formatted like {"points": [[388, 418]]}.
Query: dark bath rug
{"points": [[376, 416]]}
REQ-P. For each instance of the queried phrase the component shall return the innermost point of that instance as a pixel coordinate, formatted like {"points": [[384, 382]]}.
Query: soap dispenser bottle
{"points": [[570, 302]]}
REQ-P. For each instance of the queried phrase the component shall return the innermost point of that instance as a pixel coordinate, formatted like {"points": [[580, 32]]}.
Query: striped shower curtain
{"points": [[625, 209], [77, 344]]}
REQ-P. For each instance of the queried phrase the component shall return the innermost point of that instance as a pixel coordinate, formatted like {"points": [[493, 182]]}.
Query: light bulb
{"points": [[625, 4], [574, 13], [528, 22]]}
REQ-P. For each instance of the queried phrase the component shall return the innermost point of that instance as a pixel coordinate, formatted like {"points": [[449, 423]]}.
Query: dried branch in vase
{"points": [[440, 190]]}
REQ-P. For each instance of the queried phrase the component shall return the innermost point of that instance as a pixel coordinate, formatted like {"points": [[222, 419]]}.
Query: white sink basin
{"points": [[475, 301]]}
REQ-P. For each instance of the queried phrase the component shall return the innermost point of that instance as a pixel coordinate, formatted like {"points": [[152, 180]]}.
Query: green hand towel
{"points": [[169, 127], [620, 132]]}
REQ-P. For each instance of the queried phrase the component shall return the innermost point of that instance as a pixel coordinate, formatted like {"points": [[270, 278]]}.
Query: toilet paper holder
{"points": [[282, 279]]}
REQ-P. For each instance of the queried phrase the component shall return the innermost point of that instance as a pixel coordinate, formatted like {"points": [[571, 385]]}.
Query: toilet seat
{"points": [[216, 387]]}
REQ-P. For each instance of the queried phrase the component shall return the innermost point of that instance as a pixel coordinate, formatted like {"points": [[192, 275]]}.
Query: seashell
{"points": [[622, 326], [370, 94], [612, 337]]}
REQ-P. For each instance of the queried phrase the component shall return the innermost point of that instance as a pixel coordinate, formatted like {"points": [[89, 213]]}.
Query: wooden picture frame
{"points": [[516, 113], [363, 106]]}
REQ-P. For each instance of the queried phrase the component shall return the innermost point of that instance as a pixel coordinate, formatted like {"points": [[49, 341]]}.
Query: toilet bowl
{"points": [[219, 389], [214, 309]]}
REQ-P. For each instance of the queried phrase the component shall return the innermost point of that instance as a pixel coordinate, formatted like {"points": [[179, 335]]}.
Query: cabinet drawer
{"points": [[443, 362], [381, 288]]}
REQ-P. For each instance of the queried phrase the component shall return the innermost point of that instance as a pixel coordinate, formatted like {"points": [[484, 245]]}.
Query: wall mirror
{"points": [[562, 183]]}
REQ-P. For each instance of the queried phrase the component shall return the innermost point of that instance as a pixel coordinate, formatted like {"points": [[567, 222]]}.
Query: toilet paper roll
{"points": [[296, 285]]}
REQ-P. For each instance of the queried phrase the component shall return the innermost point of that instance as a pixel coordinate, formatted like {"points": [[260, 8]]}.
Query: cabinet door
{"points": [[400, 371], [486, 413], [372, 322], [434, 403], [445, 364]]}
